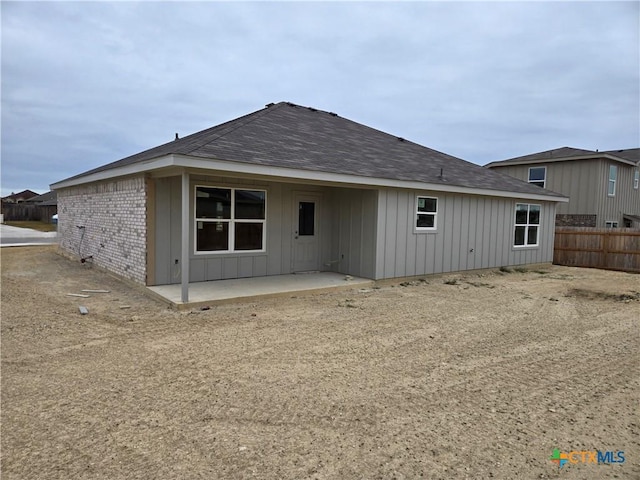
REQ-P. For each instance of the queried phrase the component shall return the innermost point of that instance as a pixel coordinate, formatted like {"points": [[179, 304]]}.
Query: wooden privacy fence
{"points": [[608, 248], [31, 212]]}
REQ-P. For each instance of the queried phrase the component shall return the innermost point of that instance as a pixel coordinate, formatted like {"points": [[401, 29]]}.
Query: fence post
{"points": [[605, 249]]}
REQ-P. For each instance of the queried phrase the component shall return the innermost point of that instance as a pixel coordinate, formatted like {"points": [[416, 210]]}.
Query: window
{"points": [[230, 220], [538, 176], [527, 225], [613, 176], [306, 218], [636, 179], [426, 213], [610, 224]]}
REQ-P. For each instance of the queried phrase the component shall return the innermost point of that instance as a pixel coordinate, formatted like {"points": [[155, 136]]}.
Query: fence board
{"points": [[608, 248], [30, 212]]}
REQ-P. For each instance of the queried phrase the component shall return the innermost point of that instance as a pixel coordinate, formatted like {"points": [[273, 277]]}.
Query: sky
{"points": [[88, 83]]}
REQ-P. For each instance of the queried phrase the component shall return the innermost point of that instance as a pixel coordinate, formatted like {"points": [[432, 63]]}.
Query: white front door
{"points": [[306, 237]]}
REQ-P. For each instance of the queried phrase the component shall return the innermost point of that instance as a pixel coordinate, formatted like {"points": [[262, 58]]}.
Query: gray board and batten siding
{"points": [[362, 232], [473, 232], [576, 181], [583, 176], [345, 229]]}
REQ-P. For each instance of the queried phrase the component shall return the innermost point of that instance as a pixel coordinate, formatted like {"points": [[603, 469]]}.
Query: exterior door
{"points": [[306, 237]]}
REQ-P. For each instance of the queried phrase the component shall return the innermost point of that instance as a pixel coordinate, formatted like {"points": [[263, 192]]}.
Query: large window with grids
{"points": [[230, 219], [527, 225]]}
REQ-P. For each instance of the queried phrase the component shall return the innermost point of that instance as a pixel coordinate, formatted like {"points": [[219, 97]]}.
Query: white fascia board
{"points": [[292, 173], [188, 162], [134, 169]]}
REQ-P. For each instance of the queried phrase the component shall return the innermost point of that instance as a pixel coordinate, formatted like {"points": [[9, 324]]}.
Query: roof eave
{"points": [[595, 156], [188, 162]]}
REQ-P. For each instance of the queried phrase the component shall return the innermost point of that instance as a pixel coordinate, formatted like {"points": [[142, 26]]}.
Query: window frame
{"points": [[527, 225], [231, 221], [535, 182], [610, 224], [636, 178], [612, 181], [416, 212]]}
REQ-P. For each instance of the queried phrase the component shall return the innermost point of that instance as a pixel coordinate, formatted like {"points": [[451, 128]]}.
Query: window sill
{"points": [[226, 254], [525, 247]]}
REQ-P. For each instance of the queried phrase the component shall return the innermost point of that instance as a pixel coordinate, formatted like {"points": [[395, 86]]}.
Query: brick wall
{"points": [[113, 215], [568, 220]]}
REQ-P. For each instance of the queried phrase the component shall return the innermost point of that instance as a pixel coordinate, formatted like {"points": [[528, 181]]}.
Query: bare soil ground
{"points": [[460, 376]]}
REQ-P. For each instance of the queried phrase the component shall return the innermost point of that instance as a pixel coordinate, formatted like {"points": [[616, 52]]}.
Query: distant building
{"points": [[29, 206], [603, 187], [19, 197], [49, 199]]}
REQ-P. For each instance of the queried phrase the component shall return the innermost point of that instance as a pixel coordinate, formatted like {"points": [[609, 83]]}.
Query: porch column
{"points": [[185, 238]]}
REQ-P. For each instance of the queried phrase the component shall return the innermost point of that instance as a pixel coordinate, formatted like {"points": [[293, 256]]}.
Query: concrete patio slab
{"points": [[244, 289]]}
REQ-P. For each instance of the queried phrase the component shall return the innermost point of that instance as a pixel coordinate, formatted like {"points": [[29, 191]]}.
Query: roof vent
{"points": [[333, 114], [401, 139], [269, 105], [177, 137]]}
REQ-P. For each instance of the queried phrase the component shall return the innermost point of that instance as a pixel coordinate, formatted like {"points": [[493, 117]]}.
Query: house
{"points": [[28, 206], [290, 189], [43, 207], [48, 199], [602, 187], [19, 197]]}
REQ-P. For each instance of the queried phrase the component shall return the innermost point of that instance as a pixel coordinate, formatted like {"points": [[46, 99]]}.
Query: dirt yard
{"points": [[460, 376]]}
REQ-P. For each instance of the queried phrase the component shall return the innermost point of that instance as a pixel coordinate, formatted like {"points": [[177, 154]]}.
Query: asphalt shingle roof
{"points": [[567, 153], [293, 136], [631, 154]]}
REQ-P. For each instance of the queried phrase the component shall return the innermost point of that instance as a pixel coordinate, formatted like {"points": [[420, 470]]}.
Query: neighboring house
{"points": [[19, 197], [603, 187], [49, 199], [29, 206], [290, 189], [44, 206]]}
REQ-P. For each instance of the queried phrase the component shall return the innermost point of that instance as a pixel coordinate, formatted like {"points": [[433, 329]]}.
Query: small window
{"points": [[611, 224], [613, 177], [538, 176], [527, 225], [229, 220], [426, 213], [636, 179], [306, 218]]}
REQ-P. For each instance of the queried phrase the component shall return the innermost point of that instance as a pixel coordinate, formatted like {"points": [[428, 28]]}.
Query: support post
{"points": [[184, 244]]}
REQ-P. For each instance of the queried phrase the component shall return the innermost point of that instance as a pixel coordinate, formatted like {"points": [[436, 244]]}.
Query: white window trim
{"points": [[614, 180], [610, 224], [544, 181], [433, 229], [231, 221], [526, 225], [636, 178]]}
